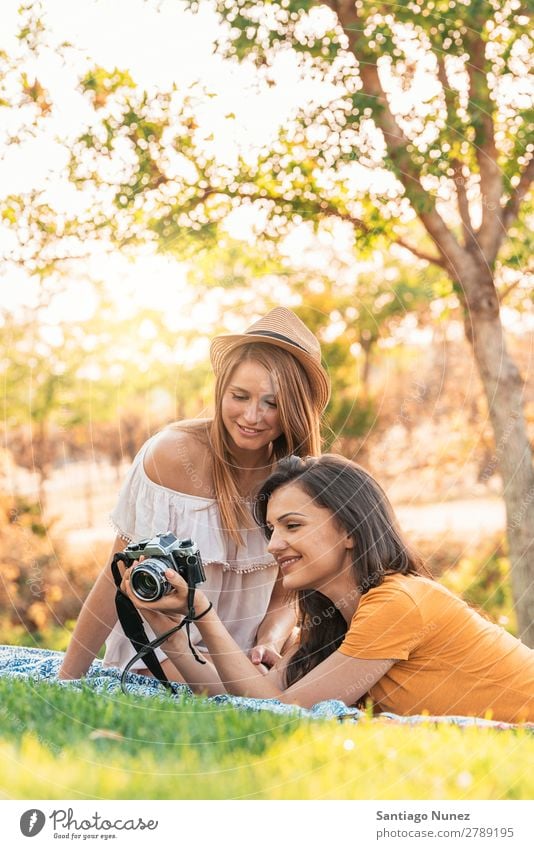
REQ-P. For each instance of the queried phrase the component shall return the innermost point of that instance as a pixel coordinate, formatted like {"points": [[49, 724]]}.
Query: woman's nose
{"points": [[252, 412], [276, 543]]}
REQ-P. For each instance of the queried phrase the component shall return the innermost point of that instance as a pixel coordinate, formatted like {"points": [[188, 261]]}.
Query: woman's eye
{"points": [[272, 404], [291, 526], [239, 397]]}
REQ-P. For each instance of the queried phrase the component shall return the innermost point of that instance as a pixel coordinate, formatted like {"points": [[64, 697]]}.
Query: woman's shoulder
{"points": [[398, 586], [418, 592], [179, 458]]}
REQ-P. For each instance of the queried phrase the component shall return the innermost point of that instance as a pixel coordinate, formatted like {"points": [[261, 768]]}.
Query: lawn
{"points": [[62, 744]]}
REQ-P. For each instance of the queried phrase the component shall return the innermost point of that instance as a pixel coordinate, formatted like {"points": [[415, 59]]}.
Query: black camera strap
{"points": [[132, 625]]}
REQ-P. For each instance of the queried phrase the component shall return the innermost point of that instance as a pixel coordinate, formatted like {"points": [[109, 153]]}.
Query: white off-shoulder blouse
{"points": [[239, 580]]}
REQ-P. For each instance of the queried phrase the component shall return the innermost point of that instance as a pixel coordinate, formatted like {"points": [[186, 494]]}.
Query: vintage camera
{"points": [[162, 552]]}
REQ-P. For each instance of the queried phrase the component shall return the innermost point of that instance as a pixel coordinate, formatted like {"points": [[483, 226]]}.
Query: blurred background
{"points": [[172, 170]]}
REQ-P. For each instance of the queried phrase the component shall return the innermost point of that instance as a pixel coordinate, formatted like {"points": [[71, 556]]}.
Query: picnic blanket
{"points": [[43, 665]]}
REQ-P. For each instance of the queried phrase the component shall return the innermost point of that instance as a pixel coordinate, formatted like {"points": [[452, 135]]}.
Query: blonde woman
{"points": [[197, 479]]}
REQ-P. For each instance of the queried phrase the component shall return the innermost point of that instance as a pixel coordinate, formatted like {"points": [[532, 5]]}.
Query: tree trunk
{"points": [[504, 389]]}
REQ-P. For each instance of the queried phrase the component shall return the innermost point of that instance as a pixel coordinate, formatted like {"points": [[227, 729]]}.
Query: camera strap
{"points": [[161, 639], [132, 625]]}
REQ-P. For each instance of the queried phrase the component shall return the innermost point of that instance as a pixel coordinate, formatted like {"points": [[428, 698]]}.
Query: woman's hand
{"points": [[174, 605], [264, 656]]}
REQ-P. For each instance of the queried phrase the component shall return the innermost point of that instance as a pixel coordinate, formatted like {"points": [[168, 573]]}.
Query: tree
{"points": [[417, 134], [459, 154]]}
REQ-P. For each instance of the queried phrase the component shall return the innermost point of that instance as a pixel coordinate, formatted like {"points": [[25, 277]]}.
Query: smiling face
{"points": [[249, 408], [310, 547]]}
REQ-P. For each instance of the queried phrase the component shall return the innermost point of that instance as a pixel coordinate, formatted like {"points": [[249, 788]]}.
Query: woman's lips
{"points": [[285, 562], [249, 431]]}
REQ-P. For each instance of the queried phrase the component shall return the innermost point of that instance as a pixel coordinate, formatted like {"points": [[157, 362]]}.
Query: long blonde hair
{"points": [[299, 419]]}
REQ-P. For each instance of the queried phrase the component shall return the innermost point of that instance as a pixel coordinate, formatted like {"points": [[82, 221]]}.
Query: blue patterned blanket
{"points": [[43, 665]]}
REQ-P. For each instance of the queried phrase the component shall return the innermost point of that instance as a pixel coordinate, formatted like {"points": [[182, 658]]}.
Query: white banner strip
{"points": [[268, 824]]}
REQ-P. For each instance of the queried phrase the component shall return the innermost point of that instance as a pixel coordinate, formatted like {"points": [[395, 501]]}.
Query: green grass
{"points": [[56, 744], [56, 637]]}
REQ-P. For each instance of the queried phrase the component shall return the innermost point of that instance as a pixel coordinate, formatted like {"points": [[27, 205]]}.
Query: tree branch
{"points": [[18, 261], [511, 209], [503, 294], [419, 254], [325, 208], [480, 107], [409, 175], [458, 166], [346, 12], [463, 204]]}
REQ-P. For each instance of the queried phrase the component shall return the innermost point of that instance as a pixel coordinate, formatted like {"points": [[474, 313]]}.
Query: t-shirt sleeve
{"points": [[387, 625]]}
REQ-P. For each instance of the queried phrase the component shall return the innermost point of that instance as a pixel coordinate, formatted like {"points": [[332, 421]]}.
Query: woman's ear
{"points": [[349, 541]]}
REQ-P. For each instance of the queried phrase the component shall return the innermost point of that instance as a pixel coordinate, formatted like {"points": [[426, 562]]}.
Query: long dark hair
{"points": [[362, 509]]}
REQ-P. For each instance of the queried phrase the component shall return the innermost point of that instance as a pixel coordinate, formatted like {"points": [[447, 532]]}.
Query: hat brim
{"points": [[318, 377]]}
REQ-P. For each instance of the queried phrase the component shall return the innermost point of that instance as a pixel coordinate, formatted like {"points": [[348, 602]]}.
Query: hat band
{"points": [[279, 336]]}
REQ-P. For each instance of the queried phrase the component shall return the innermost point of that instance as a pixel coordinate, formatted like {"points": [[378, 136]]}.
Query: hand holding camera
{"points": [[161, 581], [161, 553]]}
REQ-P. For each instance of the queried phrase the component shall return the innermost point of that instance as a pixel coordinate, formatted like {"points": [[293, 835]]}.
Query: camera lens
{"points": [[146, 583], [146, 586]]}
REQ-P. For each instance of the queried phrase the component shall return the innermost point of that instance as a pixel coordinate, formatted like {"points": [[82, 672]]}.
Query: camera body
{"points": [[162, 552]]}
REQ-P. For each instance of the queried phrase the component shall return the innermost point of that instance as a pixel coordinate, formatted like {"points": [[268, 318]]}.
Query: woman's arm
{"points": [[337, 677], [203, 678], [97, 617], [277, 625]]}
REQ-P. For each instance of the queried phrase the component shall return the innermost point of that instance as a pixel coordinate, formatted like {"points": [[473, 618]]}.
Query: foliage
{"points": [[56, 637], [194, 750], [39, 586], [463, 144], [416, 133], [484, 582], [61, 374], [84, 386], [40, 232]]}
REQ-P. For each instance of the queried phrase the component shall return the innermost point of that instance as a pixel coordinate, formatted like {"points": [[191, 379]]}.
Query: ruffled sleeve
{"points": [[138, 511]]}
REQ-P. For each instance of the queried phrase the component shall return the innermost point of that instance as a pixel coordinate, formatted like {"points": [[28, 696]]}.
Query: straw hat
{"points": [[283, 329]]}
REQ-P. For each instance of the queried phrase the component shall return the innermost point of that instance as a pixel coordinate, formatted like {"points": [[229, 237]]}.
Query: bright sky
{"points": [[158, 49]]}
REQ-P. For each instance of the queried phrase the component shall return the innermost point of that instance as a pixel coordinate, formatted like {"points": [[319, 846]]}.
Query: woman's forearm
{"points": [[279, 621], [97, 617], [276, 628], [236, 672], [203, 678]]}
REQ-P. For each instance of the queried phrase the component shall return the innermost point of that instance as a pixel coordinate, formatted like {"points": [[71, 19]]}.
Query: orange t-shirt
{"points": [[450, 660]]}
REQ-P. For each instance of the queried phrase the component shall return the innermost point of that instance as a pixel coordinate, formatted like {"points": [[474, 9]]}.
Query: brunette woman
{"points": [[372, 623]]}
